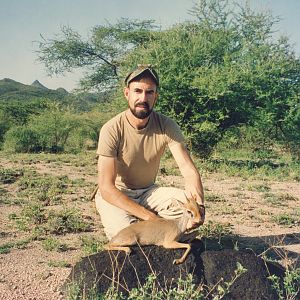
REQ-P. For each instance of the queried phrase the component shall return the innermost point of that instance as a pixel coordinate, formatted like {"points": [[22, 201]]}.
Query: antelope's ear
{"points": [[188, 200], [191, 199]]}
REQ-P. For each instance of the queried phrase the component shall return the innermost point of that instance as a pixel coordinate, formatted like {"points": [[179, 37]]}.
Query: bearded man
{"points": [[130, 148]]}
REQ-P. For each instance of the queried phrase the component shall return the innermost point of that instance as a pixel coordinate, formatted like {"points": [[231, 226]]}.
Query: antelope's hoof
{"points": [[127, 250], [177, 262]]}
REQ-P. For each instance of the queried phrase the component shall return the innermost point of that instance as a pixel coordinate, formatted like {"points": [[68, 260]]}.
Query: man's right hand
{"points": [[150, 215]]}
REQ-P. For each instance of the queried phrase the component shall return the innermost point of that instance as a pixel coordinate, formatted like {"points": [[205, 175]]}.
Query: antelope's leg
{"points": [[117, 247], [177, 245]]}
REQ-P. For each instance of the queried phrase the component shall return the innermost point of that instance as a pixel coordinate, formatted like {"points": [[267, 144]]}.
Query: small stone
{"points": [[46, 275]]}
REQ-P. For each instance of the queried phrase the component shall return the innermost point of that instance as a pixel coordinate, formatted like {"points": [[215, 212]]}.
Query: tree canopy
{"points": [[219, 71], [101, 55]]}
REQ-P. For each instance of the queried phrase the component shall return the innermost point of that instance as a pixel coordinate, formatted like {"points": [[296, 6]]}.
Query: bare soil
{"points": [[248, 207]]}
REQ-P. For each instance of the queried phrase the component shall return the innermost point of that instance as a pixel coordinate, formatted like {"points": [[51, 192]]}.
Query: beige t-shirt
{"points": [[138, 152]]}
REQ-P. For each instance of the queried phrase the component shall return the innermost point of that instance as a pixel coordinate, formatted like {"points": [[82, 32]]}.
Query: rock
{"points": [[253, 284], [100, 271]]}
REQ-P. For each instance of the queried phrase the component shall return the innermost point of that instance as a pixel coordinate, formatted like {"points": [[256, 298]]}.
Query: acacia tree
{"points": [[101, 56]]}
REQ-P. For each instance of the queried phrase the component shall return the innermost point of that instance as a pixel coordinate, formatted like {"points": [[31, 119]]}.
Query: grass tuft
{"points": [[288, 220], [8, 176], [53, 244], [91, 245], [67, 220], [214, 230]]}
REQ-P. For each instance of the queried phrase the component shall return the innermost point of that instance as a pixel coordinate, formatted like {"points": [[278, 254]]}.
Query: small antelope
{"points": [[160, 232]]}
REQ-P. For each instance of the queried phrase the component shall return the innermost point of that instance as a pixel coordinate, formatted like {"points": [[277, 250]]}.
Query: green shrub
{"points": [[203, 137], [55, 130], [22, 139], [31, 217], [289, 288], [214, 198], [54, 127], [214, 230], [4, 126], [33, 214], [182, 289]]}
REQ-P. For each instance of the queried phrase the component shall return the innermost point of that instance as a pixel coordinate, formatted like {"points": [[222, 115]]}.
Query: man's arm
{"points": [[109, 192], [193, 183], [192, 178]]}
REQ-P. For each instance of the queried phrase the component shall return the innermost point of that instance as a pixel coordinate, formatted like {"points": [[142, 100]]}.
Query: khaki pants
{"points": [[163, 200]]}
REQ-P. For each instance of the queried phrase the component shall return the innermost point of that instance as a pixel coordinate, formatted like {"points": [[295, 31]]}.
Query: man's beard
{"points": [[141, 114]]}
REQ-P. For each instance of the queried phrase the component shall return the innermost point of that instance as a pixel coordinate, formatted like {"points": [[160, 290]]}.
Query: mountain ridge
{"points": [[17, 93], [37, 84], [14, 90]]}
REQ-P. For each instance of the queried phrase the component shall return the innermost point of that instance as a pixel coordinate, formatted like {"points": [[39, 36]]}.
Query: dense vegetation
{"points": [[35, 119], [223, 77]]}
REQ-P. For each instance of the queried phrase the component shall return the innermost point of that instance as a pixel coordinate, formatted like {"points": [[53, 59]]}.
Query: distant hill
{"points": [[62, 91], [13, 90], [37, 84]]}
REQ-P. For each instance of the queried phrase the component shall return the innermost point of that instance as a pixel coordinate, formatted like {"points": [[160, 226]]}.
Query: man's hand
{"points": [[197, 194], [151, 216], [192, 225]]}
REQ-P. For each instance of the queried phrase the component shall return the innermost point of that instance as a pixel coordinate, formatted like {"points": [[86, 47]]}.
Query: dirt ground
{"points": [[248, 208]]}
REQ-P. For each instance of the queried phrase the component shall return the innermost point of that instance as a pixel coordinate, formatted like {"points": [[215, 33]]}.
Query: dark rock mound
{"points": [[253, 284], [100, 271]]}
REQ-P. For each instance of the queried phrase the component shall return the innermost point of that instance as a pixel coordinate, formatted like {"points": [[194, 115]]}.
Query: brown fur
{"points": [[160, 232]]}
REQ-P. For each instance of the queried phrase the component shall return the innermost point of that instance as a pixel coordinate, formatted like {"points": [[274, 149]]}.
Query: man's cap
{"points": [[139, 71]]}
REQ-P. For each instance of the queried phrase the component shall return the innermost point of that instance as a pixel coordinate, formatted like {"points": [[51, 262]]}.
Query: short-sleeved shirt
{"points": [[137, 152]]}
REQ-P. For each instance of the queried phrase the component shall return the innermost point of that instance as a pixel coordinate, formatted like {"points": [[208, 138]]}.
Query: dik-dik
{"points": [[160, 232]]}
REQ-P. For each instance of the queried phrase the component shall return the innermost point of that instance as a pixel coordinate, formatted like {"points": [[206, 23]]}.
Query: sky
{"points": [[22, 22]]}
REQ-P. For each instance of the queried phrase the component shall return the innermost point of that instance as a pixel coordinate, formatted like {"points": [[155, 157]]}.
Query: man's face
{"points": [[141, 96]]}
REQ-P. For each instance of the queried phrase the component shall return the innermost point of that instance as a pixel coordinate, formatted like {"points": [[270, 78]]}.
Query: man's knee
{"points": [[113, 218], [111, 231]]}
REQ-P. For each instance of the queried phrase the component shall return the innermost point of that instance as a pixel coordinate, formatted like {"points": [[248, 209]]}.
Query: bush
{"points": [[250, 138], [4, 126], [17, 113], [55, 131], [225, 70], [54, 127], [203, 138], [22, 139]]}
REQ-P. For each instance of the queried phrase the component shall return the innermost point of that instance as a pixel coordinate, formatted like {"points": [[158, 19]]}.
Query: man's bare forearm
{"points": [[193, 184], [115, 197]]}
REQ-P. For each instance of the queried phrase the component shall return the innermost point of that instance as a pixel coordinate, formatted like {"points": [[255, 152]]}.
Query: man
{"points": [[130, 147]]}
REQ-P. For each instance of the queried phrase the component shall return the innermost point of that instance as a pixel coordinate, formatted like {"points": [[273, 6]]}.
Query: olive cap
{"points": [[140, 70]]}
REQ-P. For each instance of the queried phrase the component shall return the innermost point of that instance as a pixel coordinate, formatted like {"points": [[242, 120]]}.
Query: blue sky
{"points": [[22, 22]]}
